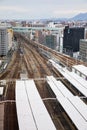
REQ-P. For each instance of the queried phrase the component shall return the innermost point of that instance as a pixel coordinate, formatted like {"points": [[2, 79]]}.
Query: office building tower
{"points": [[83, 49], [3, 41], [51, 41], [6, 36], [71, 39]]}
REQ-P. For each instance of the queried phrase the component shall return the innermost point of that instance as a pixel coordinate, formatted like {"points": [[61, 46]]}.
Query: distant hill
{"points": [[54, 19], [78, 17], [81, 16]]}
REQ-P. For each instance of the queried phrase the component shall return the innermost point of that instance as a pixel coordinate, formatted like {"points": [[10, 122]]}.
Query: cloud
{"points": [[41, 8], [67, 13], [14, 9]]}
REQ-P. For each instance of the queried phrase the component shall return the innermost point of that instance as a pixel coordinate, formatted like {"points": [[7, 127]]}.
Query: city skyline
{"points": [[24, 9]]}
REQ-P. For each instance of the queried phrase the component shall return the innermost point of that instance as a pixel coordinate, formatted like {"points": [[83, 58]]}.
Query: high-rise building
{"points": [[71, 39], [51, 41], [86, 33], [5, 40], [83, 49]]}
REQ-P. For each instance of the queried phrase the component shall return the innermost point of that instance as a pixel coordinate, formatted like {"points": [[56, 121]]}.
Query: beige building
{"points": [[10, 38]]}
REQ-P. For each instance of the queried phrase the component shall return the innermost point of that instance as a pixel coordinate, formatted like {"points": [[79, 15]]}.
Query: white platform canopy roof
{"points": [[31, 111], [24, 114], [81, 68], [42, 117], [70, 78], [72, 105]]}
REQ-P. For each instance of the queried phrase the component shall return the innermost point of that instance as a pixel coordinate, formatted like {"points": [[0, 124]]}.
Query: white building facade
{"points": [[5, 41]]}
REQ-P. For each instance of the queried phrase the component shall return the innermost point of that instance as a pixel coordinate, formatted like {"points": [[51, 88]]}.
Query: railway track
{"points": [[59, 121], [36, 67], [66, 60], [13, 68], [10, 116], [37, 60]]}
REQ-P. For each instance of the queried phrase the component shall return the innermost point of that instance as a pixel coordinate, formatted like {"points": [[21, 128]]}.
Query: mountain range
{"points": [[80, 17]]}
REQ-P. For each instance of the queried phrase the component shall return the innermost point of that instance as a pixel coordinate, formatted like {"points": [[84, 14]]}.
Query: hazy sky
{"points": [[34, 9]]}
